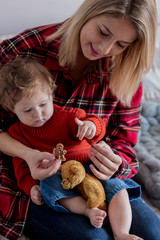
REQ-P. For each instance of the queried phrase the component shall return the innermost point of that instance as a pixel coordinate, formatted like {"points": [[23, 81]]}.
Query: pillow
{"points": [[148, 152]]}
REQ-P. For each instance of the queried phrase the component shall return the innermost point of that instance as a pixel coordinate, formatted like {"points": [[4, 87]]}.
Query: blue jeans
{"points": [[52, 190], [43, 223]]}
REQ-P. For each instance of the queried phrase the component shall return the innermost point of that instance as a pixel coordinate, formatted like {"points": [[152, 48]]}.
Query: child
{"points": [[27, 90]]}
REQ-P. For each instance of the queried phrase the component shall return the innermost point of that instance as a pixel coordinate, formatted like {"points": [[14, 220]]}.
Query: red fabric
{"points": [[122, 123], [61, 128], [13, 202]]}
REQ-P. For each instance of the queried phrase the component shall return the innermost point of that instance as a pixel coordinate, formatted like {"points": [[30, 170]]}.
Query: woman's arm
{"points": [[116, 156], [12, 147], [23, 175], [41, 164], [30, 42]]}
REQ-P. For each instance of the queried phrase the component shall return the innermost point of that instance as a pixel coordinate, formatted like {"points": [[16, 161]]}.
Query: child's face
{"points": [[36, 110]]}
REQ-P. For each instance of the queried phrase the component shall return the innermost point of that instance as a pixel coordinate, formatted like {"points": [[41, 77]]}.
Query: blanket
{"points": [[148, 152]]}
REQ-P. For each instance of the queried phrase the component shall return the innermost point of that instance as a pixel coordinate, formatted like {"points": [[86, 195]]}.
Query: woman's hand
{"points": [[105, 160], [42, 164]]}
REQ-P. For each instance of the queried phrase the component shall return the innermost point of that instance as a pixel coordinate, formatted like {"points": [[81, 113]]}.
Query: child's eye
{"points": [[28, 110], [42, 105]]}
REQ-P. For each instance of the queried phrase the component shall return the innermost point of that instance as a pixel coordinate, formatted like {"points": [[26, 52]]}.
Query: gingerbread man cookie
{"points": [[60, 152]]}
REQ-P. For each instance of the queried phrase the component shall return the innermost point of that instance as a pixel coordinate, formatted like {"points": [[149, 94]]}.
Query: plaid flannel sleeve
{"points": [[31, 42], [122, 135]]}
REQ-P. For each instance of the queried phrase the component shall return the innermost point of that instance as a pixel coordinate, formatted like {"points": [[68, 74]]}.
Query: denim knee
{"points": [[145, 223]]}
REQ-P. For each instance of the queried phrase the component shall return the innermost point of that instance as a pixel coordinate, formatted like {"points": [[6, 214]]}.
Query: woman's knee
{"points": [[145, 222], [44, 223]]}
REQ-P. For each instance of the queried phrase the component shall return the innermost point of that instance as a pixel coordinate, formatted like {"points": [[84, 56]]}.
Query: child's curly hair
{"points": [[22, 77]]}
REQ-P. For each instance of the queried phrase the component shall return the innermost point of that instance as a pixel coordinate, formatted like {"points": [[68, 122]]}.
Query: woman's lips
{"points": [[94, 52]]}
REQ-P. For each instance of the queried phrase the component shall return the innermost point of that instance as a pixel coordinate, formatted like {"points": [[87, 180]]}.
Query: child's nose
{"points": [[37, 113]]}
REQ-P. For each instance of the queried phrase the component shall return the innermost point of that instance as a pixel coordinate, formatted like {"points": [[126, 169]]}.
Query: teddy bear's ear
{"points": [[74, 168]]}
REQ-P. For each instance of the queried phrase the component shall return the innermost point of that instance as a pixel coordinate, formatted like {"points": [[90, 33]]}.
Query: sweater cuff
{"points": [[29, 182], [124, 168], [100, 125]]}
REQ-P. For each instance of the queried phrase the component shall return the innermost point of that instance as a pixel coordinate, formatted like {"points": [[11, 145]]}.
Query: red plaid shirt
{"points": [[122, 123]]}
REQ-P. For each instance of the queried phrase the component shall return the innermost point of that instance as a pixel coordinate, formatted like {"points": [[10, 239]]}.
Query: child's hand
{"points": [[36, 196], [85, 129]]}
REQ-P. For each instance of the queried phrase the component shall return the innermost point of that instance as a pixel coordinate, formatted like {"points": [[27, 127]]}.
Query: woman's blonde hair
{"points": [[22, 77], [130, 64]]}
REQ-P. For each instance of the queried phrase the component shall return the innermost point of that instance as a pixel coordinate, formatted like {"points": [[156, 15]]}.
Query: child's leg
{"points": [[78, 205], [120, 216]]}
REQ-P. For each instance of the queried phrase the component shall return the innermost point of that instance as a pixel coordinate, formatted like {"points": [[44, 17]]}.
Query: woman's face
{"points": [[104, 36]]}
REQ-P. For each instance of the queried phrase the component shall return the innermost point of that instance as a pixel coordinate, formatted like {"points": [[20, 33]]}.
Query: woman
{"points": [[113, 46]]}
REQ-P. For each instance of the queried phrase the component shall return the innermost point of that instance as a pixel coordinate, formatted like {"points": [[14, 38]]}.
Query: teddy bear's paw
{"points": [[92, 203], [66, 184]]}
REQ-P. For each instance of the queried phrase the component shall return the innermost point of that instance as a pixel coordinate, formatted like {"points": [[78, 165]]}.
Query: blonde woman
{"points": [[97, 58]]}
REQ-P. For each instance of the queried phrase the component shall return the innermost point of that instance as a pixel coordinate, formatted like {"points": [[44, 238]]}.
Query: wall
{"points": [[18, 15]]}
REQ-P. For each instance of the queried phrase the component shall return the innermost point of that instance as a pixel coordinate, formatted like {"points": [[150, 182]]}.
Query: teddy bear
{"points": [[74, 175]]}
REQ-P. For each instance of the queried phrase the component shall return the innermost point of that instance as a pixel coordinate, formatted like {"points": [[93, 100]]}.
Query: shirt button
{"points": [[24, 198]]}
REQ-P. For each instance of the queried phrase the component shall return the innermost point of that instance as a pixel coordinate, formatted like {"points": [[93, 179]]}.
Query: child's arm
{"points": [[86, 129], [98, 124]]}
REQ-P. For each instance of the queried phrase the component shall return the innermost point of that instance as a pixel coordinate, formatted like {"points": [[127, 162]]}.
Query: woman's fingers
{"points": [[100, 160], [100, 170], [98, 174], [105, 150], [105, 160], [52, 169], [40, 170]]}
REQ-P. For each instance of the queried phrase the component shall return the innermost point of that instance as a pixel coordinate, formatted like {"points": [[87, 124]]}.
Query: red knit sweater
{"points": [[61, 128]]}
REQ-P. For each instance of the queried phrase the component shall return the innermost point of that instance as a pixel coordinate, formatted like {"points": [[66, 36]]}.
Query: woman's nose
{"points": [[106, 47]]}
